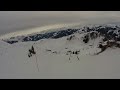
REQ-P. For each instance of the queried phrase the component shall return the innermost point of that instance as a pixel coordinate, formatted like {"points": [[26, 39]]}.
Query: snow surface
{"points": [[15, 63]]}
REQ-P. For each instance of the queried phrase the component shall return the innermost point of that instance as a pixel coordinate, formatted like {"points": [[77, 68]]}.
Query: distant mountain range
{"points": [[108, 30]]}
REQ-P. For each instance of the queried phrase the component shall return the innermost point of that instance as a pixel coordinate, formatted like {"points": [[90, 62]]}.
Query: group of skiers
{"points": [[32, 52], [74, 53]]}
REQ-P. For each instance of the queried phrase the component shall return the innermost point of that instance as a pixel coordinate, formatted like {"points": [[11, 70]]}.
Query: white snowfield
{"points": [[53, 63]]}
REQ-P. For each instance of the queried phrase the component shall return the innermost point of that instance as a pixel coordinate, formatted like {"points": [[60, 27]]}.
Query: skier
{"points": [[31, 51], [76, 53]]}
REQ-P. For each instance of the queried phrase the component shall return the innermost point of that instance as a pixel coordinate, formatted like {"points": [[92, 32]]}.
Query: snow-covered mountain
{"points": [[54, 33], [90, 51], [35, 34]]}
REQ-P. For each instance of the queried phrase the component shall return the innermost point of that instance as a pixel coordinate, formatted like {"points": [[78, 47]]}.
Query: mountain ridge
{"points": [[61, 32]]}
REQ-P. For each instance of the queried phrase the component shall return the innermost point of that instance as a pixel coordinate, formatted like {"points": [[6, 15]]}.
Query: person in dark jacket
{"points": [[31, 51]]}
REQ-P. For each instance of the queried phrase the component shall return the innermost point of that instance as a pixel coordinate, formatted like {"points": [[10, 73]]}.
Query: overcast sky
{"points": [[18, 20]]}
